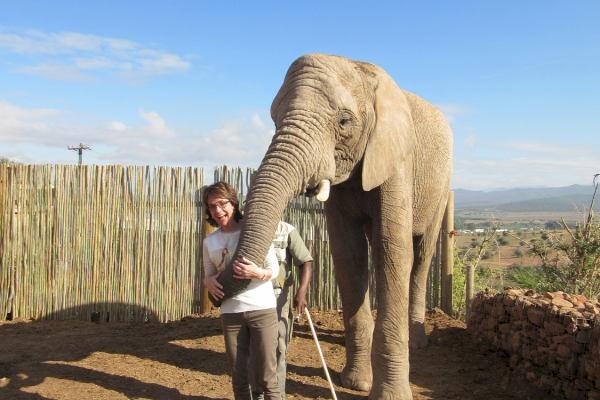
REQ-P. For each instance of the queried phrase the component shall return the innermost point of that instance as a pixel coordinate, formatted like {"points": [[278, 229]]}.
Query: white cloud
{"points": [[66, 54], [239, 142], [470, 141], [157, 128], [163, 64], [543, 147], [451, 110], [57, 72], [117, 126], [257, 122], [530, 170], [33, 41]]}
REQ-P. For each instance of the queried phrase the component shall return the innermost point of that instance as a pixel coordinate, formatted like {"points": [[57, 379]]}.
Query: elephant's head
{"points": [[334, 118]]}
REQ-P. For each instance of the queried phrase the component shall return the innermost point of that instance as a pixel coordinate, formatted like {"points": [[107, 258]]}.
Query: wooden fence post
{"points": [[207, 229], [470, 290], [447, 256]]}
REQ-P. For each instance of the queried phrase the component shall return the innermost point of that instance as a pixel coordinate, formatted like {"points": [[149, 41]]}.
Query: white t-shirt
{"points": [[218, 248]]}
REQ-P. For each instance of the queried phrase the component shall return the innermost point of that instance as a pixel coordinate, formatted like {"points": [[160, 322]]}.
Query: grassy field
{"points": [[508, 218], [505, 248]]}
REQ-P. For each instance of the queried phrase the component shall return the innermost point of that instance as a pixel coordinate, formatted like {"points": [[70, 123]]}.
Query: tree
{"points": [[471, 226], [6, 160], [487, 255], [552, 225], [519, 252], [502, 241]]}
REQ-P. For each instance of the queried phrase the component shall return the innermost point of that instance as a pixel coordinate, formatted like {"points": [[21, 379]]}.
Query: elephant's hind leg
{"points": [[424, 247], [349, 249]]}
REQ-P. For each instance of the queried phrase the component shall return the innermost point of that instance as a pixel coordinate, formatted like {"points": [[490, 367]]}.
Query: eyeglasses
{"points": [[220, 204]]}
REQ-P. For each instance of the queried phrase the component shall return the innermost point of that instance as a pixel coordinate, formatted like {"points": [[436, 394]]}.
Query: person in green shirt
{"points": [[290, 251]]}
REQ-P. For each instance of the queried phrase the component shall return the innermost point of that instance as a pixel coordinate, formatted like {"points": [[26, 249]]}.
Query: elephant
{"points": [[381, 160]]}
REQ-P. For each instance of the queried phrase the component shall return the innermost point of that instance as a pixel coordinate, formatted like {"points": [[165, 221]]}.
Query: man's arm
{"points": [[302, 258], [300, 298]]}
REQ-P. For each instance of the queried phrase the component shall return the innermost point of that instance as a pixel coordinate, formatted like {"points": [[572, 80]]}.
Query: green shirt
{"points": [[290, 250]]}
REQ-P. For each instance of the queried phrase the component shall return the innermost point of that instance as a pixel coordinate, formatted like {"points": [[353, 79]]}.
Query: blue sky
{"points": [[191, 82]]}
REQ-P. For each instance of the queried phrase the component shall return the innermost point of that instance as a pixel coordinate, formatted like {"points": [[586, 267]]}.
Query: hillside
{"points": [[559, 199], [553, 204]]}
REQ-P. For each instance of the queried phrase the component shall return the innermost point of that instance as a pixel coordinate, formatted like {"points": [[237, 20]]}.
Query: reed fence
{"points": [[111, 243], [124, 243]]}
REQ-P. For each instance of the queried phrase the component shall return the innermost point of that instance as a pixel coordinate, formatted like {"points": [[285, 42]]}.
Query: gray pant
{"points": [[256, 331], [284, 335]]}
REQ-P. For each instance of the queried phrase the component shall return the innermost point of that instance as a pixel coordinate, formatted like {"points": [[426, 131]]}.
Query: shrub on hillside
{"points": [[502, 241], [487, 255], [519, 252]]}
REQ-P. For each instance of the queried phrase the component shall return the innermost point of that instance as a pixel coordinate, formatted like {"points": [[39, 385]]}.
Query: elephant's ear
{"points": [[393, 137]]}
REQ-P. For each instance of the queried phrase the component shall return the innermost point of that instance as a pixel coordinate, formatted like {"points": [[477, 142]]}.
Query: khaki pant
{"points": [[284, 330], [238, 330]]}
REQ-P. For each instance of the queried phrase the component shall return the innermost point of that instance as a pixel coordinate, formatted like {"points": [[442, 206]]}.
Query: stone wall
{"points": [[552, 338]]}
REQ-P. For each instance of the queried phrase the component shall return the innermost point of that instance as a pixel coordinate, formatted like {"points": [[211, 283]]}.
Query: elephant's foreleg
{"points": [[392, 251], [348, 247], [424, 247]]}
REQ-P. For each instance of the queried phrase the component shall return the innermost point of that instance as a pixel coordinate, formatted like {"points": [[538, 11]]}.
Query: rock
{"points": [[566, 310], [583, 337], [510, 300], [593, 395], [514, 361], [536, 316], [571, 328], [557, 301], [515, 341], [581, 298], [556, 328], [564, 351], [546, 382], [530, 376]]}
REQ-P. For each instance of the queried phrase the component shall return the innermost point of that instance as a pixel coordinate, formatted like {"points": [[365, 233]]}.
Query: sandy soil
{"points": [[185, 360]]}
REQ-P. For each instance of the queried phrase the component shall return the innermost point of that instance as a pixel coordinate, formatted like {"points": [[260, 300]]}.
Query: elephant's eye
{"points": [[344, 120]]}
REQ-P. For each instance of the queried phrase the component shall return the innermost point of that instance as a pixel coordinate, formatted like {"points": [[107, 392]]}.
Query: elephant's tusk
{"points": [[323, 190]]}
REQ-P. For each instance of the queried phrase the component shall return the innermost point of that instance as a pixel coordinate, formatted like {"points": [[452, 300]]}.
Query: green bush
{"points": [[529, 277], [502, 241], [519, 252]]}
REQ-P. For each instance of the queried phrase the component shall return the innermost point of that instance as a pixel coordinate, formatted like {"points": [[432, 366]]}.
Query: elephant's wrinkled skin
{"points": [[388, 156]]}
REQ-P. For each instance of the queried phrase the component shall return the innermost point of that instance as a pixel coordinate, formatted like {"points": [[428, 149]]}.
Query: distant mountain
{"points": [[557, 198], [498, 189], [552, 204]]}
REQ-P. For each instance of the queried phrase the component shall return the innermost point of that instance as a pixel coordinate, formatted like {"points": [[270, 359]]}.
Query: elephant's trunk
{"points": [[282, 175]]}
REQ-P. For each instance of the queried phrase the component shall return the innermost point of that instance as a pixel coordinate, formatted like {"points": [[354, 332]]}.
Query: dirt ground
{"points": [[185, 360]]}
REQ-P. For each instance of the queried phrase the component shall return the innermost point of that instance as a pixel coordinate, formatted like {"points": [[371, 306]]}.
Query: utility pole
{"points": [[80, 149]]}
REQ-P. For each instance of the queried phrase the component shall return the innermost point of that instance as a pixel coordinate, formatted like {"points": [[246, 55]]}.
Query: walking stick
{"points": [[312, 328]]}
